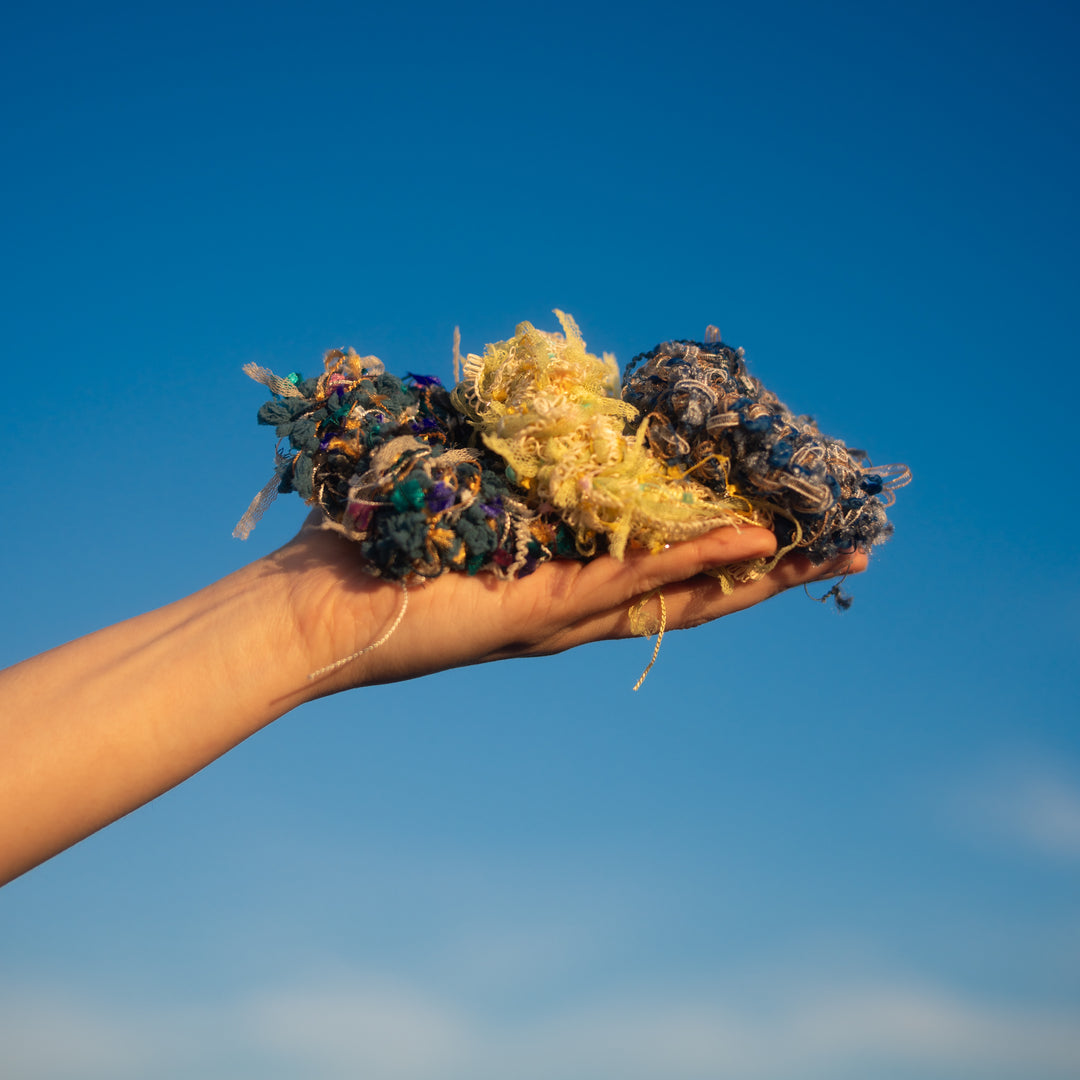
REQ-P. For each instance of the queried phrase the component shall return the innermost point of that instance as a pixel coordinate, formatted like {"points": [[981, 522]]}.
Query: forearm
{"points": [[96, 728]]}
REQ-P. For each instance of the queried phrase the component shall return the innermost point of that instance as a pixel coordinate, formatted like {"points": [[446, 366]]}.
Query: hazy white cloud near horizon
{"points": [[384, 1029]]}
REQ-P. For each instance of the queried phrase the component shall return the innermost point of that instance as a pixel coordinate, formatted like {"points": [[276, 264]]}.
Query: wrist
{"points": [[330, 609]]}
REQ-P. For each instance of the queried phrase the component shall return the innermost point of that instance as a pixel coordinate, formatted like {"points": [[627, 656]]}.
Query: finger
{"points": [[791, 573], [693, 603], [605, 582], [702, 599]]}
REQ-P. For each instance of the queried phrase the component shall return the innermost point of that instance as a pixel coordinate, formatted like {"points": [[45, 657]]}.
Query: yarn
{"points": [[394, 467], [377, 644], [536, 454], [550, 409], [642, 626], [708, 415]]}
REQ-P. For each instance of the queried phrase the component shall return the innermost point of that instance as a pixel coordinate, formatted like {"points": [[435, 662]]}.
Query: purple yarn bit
{"points": [[441, 496]]}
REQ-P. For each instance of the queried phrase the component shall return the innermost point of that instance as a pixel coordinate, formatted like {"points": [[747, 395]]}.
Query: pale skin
{"points": [[98, 727]]}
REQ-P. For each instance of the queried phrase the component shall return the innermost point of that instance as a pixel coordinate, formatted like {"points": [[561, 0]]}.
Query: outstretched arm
{"points": [[95, 728]]}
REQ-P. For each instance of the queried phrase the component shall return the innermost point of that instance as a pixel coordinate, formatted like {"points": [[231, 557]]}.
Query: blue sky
{"points": [[815, 846]]}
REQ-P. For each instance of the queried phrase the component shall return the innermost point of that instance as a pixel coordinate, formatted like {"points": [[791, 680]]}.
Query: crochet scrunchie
{"points": [[536, 454]]}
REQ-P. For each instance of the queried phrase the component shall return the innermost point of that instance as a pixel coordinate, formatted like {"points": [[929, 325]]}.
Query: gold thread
{"points": [[638, 625]]}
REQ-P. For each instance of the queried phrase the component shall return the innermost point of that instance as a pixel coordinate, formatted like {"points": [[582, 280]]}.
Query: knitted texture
{"points": [[393, 466], [708, 415], [535, 455]]}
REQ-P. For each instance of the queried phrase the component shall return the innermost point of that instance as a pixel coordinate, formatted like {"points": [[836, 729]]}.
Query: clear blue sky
{"points": [[815, 846]]}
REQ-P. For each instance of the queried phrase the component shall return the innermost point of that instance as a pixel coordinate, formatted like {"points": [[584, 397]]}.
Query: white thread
{"points": [[374, 645]]}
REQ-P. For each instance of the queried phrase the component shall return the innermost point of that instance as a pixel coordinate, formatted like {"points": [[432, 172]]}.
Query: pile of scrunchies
{"points": [[540, 453]]}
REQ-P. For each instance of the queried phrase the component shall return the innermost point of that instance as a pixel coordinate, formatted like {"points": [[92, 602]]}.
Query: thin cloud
{"points": [[45, 1035], [1029, 804], [382, 1029], [370, 1028]]}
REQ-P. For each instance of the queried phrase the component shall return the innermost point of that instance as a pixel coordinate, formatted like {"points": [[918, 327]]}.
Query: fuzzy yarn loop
{"points": [[536, 455]]}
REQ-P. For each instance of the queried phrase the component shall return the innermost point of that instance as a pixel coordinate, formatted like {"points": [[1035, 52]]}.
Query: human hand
{"points": [[339, 610]]}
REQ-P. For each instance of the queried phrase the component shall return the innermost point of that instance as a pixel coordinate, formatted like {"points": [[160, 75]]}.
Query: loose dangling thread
{"points": [[639, 626], [842, 599], [369, 648]]}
